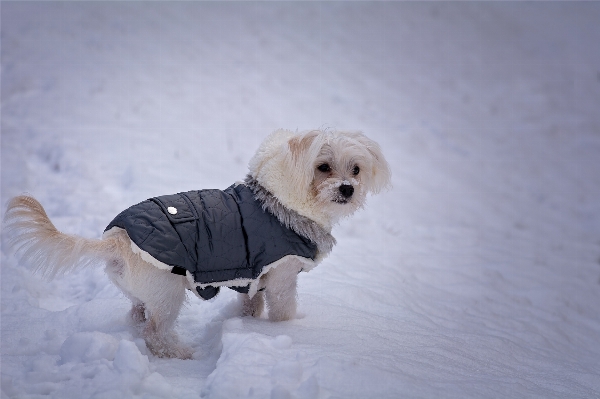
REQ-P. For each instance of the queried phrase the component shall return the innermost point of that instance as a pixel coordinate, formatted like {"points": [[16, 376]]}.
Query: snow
{"points": [[477, 275]]}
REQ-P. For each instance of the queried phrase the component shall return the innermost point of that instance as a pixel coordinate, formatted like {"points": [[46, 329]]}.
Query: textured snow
{"points": [[477, 275]]}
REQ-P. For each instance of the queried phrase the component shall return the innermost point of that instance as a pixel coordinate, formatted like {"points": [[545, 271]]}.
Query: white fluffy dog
{"points": [[305, 182]]}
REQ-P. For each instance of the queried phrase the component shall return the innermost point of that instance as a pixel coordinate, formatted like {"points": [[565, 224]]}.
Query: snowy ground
{"points": [[477, 276]]}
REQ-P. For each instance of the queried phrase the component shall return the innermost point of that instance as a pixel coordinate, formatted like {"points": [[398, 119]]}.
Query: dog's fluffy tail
{"points": [[31, 235]]}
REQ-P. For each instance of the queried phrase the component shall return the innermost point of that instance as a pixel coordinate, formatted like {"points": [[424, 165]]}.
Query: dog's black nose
{"points": [[346, 190]]}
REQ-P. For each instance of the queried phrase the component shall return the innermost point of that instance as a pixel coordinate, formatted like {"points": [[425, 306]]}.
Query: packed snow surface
{"points": [[476, 276]]}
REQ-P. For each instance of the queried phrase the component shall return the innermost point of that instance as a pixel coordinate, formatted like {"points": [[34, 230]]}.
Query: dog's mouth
{"points": [[340, 201]]}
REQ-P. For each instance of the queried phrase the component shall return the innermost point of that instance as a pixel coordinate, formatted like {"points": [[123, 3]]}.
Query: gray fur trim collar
{"points": [[292, 219]]}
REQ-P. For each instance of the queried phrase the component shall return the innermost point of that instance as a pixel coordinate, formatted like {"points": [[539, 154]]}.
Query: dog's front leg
{"points": [[280, 291]]}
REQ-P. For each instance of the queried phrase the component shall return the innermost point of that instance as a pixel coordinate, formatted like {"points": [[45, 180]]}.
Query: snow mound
{"points": [[85, 347], [269, 367]]}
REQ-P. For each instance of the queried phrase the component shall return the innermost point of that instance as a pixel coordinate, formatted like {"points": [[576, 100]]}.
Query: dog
{"points": [[254, 237]]}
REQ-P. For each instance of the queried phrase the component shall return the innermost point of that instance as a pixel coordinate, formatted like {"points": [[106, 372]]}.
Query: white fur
{"points": [[289, 174], [284, 172]]}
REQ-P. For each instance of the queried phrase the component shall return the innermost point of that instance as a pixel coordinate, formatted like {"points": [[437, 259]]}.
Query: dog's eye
{"points": [[356, 170], [324, 168]]}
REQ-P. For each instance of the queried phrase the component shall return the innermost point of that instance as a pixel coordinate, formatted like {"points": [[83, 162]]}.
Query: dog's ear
{"points": [[303, 149], [300, 144], [380, 173]]}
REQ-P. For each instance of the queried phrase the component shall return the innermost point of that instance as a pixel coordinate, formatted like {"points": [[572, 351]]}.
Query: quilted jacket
{"points": [[220, 237]]}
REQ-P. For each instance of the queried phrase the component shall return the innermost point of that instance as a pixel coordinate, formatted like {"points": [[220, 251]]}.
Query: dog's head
{"points": [[323, 175]]}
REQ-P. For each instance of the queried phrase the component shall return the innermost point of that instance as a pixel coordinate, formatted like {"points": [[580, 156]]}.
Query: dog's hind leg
{"points": [[117, 269], [253, 306], [161, 296], [154, 317], [156, 296]]}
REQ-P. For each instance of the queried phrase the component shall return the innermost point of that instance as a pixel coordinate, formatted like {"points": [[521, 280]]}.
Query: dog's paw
{"points": [[183, 353], [167, 346], [172, 351]]}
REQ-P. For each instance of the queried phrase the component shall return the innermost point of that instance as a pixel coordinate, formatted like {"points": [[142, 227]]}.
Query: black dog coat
{"points": [[223, 238]]}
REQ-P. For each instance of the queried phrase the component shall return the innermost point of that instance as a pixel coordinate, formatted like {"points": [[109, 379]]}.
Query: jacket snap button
{"points": [[172, 210]]}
